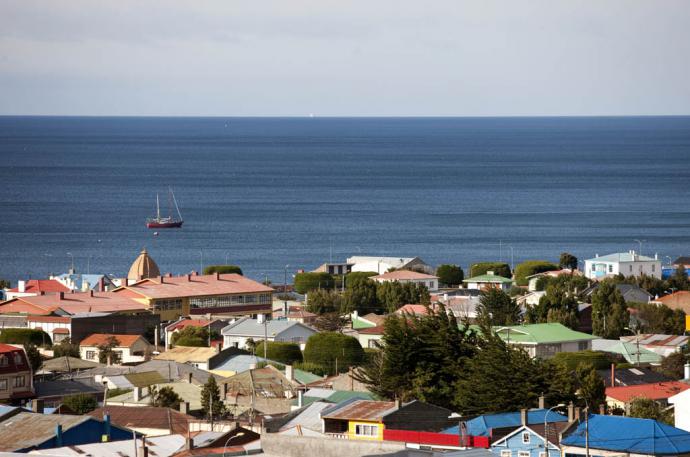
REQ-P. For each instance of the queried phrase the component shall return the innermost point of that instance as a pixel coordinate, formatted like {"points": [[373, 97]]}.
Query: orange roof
{"points": [[656, 391], [72, 303], [404, 275], [677, 300], [378, 330], [101, 338], [61, 331], [35, 286], [50, 319], [413, 309], [195, 286]]}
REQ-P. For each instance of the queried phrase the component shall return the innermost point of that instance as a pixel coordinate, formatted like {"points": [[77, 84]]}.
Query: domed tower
{"points": [[143, 267]]}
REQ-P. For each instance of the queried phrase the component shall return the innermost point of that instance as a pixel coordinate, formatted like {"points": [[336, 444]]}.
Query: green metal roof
{"points": [[358, 323], [342, 395], [541, 333], [305, 377], [488, 278], [629, 351]]}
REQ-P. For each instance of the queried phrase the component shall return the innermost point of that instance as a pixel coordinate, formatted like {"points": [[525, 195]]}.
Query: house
{"points": [[196, 356], [66, 364], [530, 441], [147, 420], [683, 261], [65, 304], [677, 300], [184, 322], [34, 287], [16, 377], [52, 393], [307, 417], [496, 426], [141, 380], [216, 294], [545, 340], [625, 263], [25, 432], [629, 350], [190, 394], [531, 298], [370, 337], [170, 370], [609, 436], [127, 349], [258, 391], [416, 310], [294, 313], [681, 404], [342, 382], [630, 293], [239, 332], [631, 376], [357, 419], [342, 268], [383, 264], [534, 279], [663, 345], [366, 321], [660, 392], [488, 281], [80, 282], [408, 276]]}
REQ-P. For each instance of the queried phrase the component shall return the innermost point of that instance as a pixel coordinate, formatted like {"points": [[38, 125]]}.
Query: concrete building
{"points": [[626, 263], [334, 268], [383, 264], [129, 348], [407, 276]]}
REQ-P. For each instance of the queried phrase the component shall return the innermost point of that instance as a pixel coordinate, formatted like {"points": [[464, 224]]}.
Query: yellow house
{"points": [[358, 419]]}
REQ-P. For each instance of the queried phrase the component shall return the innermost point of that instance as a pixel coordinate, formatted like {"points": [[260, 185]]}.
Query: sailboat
{"points": [[159, 222]]}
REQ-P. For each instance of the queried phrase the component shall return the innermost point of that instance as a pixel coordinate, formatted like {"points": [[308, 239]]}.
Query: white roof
{"points": [[623, 257], [160, 446], [390, 260], [309, 418], [252, 327]]}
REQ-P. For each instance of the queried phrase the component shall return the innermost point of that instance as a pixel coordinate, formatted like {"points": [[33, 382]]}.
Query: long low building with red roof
{"points": [[622, 396]]}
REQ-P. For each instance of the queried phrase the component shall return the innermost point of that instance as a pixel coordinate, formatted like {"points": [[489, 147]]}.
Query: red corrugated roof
{"points": [[365, 410], [61, 331], [97, 339], [82, 302], [50, 319], [35, 286], [412, 309], [404, 275], [195, 286], [656, 391]]}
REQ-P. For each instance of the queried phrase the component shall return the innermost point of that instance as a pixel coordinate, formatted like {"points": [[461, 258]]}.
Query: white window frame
{"points": [[523, 454], [4, 384], [507, 453], [368, 430], [525, 437]]}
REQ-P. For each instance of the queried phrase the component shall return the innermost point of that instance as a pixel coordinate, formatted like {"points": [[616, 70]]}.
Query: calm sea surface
{"points": [[264, 193]]}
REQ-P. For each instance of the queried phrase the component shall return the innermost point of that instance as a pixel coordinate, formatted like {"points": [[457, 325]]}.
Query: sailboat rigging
{"points": [[168, 221]]}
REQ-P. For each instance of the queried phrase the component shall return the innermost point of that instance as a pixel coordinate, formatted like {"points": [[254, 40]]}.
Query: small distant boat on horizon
{"points": [[169, 221]]}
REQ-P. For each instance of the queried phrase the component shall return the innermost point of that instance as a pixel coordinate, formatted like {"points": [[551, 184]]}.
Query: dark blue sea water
{"points": [[269, 192]]}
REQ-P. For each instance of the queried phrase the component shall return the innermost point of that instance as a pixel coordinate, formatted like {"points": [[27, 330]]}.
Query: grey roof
{"points": [[252, 327], [309, 417], [240, 363], [26, 430], [622, 257], [63, 388], [66, 364], [167, 368]]}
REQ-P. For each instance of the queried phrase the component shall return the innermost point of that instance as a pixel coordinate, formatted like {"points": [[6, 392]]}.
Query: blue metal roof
{"points": [[482, 425], [628, 434]]}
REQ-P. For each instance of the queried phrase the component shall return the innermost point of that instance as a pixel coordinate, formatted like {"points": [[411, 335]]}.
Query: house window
{"points": [[19, 381], [594, 267], [3, 384], [653, 268], [610, 268], [117, 357], [90, 355], [525, 438], [523, 454], [630, 268], [506, 453], [366, 430], [18, 360], [3, 361], [582, 346]]}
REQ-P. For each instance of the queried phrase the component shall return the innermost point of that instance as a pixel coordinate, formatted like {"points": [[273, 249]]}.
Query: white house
{"points": [[129, 348], [681, 403], [487, 281], [625, 263], [237, 333], [383, 264], [406, 276]]}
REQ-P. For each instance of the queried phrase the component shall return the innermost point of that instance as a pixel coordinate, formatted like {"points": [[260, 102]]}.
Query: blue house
{"points": [[617, 435], [487, 424], [529, 441]]}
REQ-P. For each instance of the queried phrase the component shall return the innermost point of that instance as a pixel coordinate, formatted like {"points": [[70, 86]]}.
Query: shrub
{"points": [[599, 360], [356, 275], [222, 269], [80, 403], [66, 349], [450, 275], [191, 336], [499, 268], [308, 281], [532, 267], [329, 349], [25, 336], [312, 368], [287, 353]]}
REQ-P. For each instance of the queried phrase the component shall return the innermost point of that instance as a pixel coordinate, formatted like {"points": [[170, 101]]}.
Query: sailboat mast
{"points": [[158, 208], [175, 201]]}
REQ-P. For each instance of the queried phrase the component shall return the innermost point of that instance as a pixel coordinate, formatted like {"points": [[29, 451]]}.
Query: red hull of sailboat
{"points": [[162, 225]]}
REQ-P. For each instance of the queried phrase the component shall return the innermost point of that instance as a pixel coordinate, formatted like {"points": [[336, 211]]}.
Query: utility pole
{"points": [[210, 408], [587, 431]]}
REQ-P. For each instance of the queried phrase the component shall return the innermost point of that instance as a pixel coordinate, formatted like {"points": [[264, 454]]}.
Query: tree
{"points": [[360, 294], [499, 268], [322, 301], [673, 365], [5, 284], [25, 336], [330, 322], [567, 260], [497, 308], [80, 403], [166, 397], [450, 275], [571, 360], [334, 351], [531, 267], [653, 318], [309, 281], [35, 359], [357, 275], [210, 394], [609, 312], [287, 353], [192, 336], [222, 269], [592, 390], [391, 295], [66, 349], [649, 409], [556, 305], [679, 279], [106, 353]]}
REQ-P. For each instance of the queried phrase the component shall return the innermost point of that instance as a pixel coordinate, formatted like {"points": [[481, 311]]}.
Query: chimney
{"points": [[58, 435], [260, 318], [124, 282], [61, 295], [189, 277], [571, 412], [144, 449], [300, 398], [101, 284], [289, 373], [189, 443], [351, 380], [90, 292], [162, 279], [21, 286], [196, 273], [106, 426], [184, 407], [397, 403], [37, 406], [137, 394], [602, 409], [541, 402], [613, 375], [686, 372], [523, 416], [189, 377], [169, 275], [217, 275]]}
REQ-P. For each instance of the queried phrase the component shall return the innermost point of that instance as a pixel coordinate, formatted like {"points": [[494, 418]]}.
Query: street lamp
{"points": [[546, 430], [225, 448], [226, 258], [201, 261], [640, 242], [669, 259], [72, 256]]}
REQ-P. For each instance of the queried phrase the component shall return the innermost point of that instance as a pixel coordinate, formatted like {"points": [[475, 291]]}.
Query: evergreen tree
{"points": [[650, 409], [592, 390], [497, 308], [556, 305], [80, 403], [360, 295], [106, 352], [210, 394], [191, 336], [166, 397], [567, 260], [66, 349], [609, 312], [34, 357], [322, 301], [679, 279], [450, 275]]}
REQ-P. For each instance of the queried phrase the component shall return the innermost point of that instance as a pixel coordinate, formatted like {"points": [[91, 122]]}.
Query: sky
{"points": [[345, 58]]}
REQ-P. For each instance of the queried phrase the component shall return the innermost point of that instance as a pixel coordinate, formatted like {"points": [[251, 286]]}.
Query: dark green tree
{"points": [[35, 359], [556, 305], [592, 390], [567, 260], [191, 336], [499, 268], [360, 294], [287, 353], [650, 409], [497, 308], [309, 281], [653, 318], [679, 279], [672, 365], [222, 269], [210, 394], [556, 381], [609, 311], [531, 267], [106, 352], [331, 322], [450, 275], [323, 301], [166, 397], [5, 284], [66, 349], [80, 403], [330, 349]]}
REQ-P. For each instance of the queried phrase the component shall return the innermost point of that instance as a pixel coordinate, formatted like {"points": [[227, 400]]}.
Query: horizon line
{"points": [[314, 116]]}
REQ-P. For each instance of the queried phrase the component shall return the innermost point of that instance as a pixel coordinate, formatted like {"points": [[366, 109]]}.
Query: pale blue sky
{"points": [[295, 57]]}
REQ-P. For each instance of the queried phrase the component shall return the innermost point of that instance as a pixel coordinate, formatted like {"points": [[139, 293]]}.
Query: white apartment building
{"points": [[625, 263]]}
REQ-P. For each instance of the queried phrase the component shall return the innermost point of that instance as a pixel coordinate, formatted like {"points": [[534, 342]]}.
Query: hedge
{"points": [[287, 353], [499, 268], [532, 267], [25, 336], [223, 269], [308, 281], [324, 348], [599, 360]]}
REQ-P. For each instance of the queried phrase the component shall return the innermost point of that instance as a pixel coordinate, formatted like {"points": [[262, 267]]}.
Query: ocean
{"points": [[264, 193]]}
